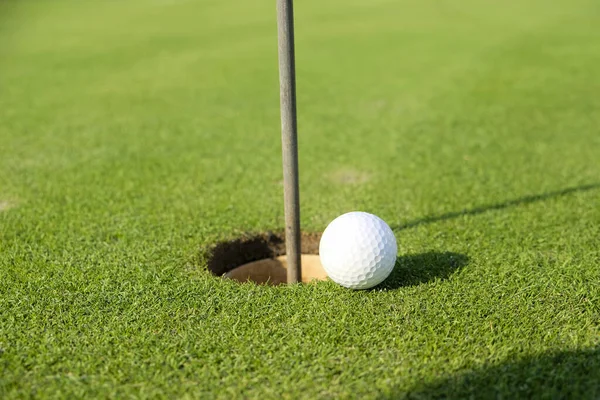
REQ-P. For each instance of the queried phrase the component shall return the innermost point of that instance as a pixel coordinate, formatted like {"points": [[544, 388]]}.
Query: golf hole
{"points": [[261, 259]]}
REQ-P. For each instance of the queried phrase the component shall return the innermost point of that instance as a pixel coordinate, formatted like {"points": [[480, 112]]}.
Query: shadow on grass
{"points": [[562, 375], [414, 269], [498, 206]]}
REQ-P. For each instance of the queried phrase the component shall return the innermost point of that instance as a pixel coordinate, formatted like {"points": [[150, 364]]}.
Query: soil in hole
{"points": [[261, 258]]}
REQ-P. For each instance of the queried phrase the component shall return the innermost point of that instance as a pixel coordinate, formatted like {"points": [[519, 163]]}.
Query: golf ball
{"points": [[358, 250]]}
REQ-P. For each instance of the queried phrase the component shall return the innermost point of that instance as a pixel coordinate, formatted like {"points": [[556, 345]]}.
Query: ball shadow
{"points": [[415, 269]]}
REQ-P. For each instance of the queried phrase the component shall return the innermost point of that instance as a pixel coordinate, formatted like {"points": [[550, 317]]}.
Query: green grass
{"points": [[134, 134]]}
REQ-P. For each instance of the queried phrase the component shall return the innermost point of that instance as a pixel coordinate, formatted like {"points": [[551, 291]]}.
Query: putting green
{"points": [[136, 135]]}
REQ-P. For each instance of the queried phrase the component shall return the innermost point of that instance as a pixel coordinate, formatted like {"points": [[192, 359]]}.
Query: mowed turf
{"points": [[136, 134]]}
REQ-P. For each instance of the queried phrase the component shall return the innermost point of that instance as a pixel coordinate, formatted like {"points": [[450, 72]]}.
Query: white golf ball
{"points": [[358, 250]]}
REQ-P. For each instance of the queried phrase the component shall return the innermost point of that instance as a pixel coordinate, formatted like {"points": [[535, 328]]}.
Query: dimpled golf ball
{"points": [[358, 250]]}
